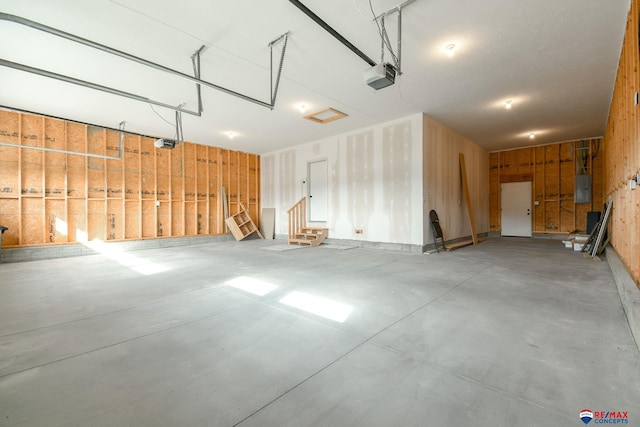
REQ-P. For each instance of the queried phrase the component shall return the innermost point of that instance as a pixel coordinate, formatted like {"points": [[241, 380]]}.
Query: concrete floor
{"points": [[514, 332]]}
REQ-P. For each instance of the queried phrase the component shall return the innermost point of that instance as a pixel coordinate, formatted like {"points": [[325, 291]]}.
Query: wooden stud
{"points": [[148, 175], [147, 169], [254, 188], [538, 190], [214, 192], [163, 178], [233, 188], [177, 188], [139, 184], [156, 173], [208, 201], [202, 189], [190, 172], [566, 158], [494, 192]]}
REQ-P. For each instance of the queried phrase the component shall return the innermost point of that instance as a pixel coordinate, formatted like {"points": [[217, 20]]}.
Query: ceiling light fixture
{"points": [[508, 104], [231, 135], [450, 48], [532, 135], [302, 108]]}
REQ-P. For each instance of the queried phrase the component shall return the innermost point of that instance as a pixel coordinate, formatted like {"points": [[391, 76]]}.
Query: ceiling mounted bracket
{"points": [[179, 136], [384, 36], [195, 60], [274, 91], [121, 138], [112, 51]]}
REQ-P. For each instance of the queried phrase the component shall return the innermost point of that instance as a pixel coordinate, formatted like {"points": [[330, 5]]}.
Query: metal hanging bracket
{"points": [[397, 56], [195, 59], [274, 91]]}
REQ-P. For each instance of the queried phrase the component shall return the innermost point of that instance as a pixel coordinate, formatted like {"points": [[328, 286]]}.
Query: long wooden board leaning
{"points": [[467, 199]]}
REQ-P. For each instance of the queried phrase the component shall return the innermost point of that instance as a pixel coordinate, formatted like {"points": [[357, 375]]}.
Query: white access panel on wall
{"points": [[318, 190], [516, 209]]}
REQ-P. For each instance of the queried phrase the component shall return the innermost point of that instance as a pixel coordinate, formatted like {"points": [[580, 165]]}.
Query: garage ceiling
{"points": [[556, 61]]}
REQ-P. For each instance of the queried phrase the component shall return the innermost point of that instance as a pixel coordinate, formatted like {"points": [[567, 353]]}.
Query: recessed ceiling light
{"points": [[303, 107], [532, 135], [231, 135], [450, 48], [508, 104]]}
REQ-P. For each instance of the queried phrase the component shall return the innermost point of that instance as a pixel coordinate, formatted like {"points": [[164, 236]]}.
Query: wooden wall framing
{"points": [[49, 197], [551, 170], [622, 149]]}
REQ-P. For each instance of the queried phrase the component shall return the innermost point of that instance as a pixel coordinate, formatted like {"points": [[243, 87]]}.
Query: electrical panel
{"points": [[582, 192]]}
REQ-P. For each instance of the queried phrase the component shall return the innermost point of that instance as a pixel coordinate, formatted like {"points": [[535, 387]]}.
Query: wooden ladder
{"points": [[298, 231]]}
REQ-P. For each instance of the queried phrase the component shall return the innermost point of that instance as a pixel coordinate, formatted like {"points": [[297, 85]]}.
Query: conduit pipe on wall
{"points": [[77, 153]]}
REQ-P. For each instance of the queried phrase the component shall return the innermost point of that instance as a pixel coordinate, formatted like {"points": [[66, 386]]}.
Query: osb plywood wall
{"points": [[51, 197], [551, 170], [622, 150]]}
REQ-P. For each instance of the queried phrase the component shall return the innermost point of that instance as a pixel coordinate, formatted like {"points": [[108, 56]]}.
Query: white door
{"points": [[516, 209], [318, 191]]}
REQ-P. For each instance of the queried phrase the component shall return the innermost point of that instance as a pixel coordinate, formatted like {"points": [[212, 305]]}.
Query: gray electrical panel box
{"points": [[582, 193]]}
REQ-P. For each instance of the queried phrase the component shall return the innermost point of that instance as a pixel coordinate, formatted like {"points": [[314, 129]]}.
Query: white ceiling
{"points": [[556, 60]]}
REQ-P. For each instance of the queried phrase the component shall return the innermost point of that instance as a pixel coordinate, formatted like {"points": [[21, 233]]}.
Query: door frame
{"points": [[529, 208], [309, 163]]}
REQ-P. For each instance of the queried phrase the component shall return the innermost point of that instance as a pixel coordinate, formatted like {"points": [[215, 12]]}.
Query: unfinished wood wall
{"points": [[551, 169], [622, 150], [49, 197]]}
